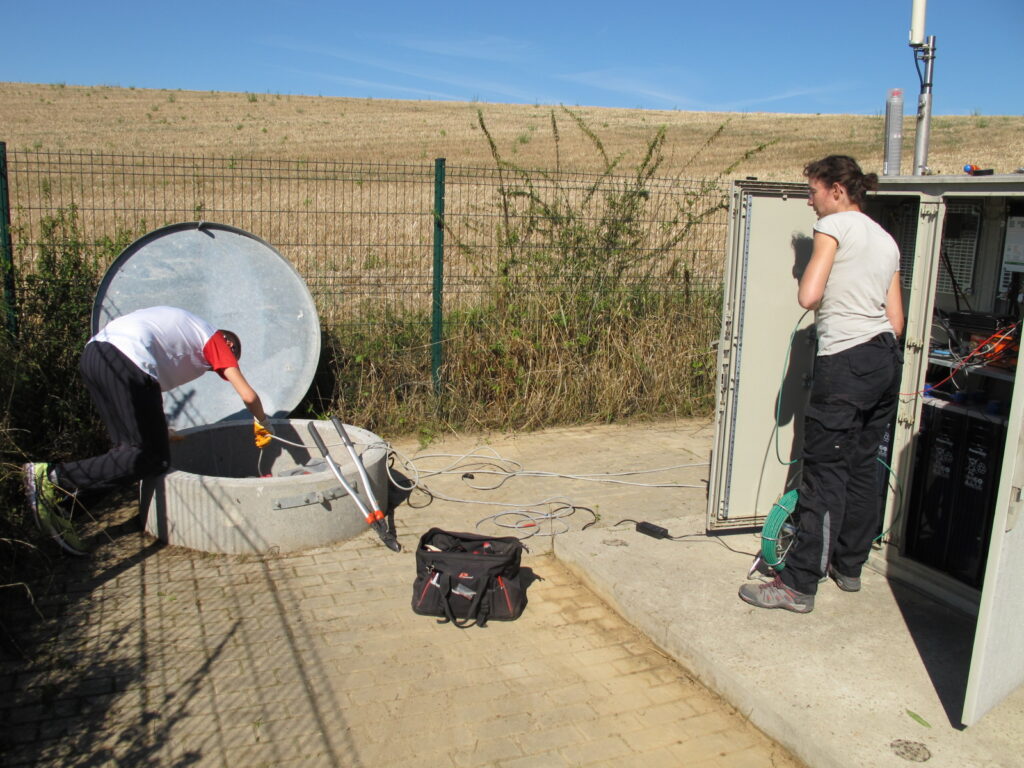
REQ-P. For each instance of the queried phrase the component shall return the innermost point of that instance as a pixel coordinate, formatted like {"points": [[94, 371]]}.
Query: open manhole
{"points": [[225, 495], [222, 493]]}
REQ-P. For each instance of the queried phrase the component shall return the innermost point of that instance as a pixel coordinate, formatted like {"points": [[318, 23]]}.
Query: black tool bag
{"points": [[465, 578]]}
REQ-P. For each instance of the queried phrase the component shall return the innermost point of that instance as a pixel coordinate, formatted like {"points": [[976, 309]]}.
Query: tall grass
{"points": [[604, 306]]}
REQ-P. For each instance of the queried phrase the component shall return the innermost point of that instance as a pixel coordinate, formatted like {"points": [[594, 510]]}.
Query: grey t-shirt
{"points": [[852, 309]]}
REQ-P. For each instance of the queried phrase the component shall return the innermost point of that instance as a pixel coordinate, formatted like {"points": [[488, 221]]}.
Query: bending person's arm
{"points": [[246, 393]]}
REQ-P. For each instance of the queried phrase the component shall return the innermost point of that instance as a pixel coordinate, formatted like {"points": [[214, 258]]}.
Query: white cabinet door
{"points": [[770, 237], [997, 661]]}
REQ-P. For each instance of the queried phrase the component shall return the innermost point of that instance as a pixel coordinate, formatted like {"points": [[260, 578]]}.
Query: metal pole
{"points": [[437, 316], [925, 53], [6, 247]]}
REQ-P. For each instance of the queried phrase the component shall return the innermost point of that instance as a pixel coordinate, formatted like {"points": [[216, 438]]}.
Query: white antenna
{"points": [[924, 51], [917, 22]]}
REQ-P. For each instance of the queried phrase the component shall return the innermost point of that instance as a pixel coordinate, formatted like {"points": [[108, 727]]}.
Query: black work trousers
{"points": [[853, 401], [131, 405]]}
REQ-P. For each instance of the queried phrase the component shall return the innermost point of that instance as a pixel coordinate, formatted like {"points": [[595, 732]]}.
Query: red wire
{"points": [[963, 360]]}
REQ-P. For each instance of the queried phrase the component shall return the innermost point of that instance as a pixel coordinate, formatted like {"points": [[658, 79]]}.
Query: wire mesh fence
{"points": [[360, 234], [612, 282]]}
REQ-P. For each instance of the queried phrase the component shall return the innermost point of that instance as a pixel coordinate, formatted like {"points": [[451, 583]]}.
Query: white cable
{"points": [[484, 460], [456, 467], [531, 519]]}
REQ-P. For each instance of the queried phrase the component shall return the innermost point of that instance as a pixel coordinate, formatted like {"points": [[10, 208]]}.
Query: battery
{"points": [[933, 495], [952, 499], [977, 481]]}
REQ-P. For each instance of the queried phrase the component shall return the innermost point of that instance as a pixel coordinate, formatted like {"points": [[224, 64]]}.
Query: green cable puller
{"points": [[777, 533]]}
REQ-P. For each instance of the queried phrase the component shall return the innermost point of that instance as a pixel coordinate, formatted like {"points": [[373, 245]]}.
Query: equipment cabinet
{"points": [[953, 497]]}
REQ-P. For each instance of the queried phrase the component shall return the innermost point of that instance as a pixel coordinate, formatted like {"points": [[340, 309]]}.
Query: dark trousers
{"points": [[853, 401], [131, 406]]}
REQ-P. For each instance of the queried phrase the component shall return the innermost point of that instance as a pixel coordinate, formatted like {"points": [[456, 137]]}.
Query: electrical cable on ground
{"points": [[657, 532], [526, 518]]}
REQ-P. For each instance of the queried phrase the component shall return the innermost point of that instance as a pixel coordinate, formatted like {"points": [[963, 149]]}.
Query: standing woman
{"points": [[852, 282]]}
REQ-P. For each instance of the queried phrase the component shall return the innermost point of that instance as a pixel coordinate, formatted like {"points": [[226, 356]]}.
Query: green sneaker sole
{"points": [[48, 518]]}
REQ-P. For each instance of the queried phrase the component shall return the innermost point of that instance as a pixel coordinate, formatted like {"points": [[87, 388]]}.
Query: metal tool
{"points": [[375, 518]]}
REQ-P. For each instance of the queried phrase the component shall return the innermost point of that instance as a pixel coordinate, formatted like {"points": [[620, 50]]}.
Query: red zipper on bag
{"points": [[508, 600]]}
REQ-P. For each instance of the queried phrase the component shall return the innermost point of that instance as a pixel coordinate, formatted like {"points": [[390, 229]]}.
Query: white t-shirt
{"points": [[172, 345], [852, 309]]}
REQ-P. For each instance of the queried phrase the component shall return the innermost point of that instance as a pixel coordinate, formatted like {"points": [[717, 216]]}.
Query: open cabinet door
{"points": [[765, 353], [997, 661]]}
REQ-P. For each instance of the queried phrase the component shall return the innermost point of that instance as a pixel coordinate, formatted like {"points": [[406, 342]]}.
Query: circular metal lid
{"points": [[233, 280]]}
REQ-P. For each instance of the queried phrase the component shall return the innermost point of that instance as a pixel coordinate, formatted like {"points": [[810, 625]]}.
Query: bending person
{"points": [[126, 367], [852, 282]]}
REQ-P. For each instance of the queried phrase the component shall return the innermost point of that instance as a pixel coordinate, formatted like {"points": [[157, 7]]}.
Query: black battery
{"points": [[977, 483], [933, 494], [952, 502]]}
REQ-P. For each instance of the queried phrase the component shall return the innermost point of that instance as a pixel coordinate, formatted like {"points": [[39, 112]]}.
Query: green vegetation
{"points": [[48, 414], [604, 306]]}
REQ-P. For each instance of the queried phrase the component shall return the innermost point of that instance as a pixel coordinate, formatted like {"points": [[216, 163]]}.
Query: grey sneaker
{"points": [[775, 594], [845, 583], [43, 499]]}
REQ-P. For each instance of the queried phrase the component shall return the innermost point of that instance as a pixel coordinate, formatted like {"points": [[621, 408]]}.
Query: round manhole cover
{"points": [[914, 751], [234, 280]]}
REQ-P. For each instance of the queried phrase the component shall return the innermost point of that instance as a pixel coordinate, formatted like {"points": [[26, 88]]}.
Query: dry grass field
{"points": [[56, 117]]}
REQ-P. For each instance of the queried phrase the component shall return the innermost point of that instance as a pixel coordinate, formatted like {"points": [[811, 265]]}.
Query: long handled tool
{"points": [[374, 519], [386, 536]]}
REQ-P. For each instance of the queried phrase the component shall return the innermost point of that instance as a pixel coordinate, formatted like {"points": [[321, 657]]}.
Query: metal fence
{"points": [[360, 234]]}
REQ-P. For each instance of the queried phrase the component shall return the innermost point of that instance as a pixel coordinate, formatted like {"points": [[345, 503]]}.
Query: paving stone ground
{"points": [[156, 656]]}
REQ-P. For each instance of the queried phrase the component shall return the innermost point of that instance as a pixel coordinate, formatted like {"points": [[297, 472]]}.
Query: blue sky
{"points": [[745, 55]]}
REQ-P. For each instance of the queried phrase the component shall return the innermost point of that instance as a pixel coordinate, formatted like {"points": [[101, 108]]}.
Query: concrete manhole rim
{"points": [[214, 502]]}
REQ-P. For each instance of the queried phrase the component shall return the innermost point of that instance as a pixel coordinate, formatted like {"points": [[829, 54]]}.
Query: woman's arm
{"points": [[814, 278], [894, 305]]}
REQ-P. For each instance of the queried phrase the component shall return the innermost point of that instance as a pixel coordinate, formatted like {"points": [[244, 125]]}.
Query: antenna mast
{"points": [[924, 51]]}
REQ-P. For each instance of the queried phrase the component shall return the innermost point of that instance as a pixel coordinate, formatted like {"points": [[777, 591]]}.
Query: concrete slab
{"points": [[874, 678]]}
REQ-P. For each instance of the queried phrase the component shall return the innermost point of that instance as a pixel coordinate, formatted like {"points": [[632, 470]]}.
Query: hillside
{"points": [[128, 120]]}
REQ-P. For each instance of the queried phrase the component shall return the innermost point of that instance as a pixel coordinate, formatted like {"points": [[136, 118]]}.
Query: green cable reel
{"points": [[778, 533]]}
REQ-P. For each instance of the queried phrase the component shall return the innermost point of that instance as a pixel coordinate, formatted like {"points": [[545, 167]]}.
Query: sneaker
{"points": [[44, 500], [775, 594], [845, 583]]}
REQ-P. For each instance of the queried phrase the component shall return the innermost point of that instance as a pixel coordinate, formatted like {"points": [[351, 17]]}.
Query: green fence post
{"points": [[6, 249], [437, 315]]}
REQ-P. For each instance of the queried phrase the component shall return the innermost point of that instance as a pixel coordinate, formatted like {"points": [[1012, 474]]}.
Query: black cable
{"points": [[586, 509], [688, 538], [426, 492], [957, 292]]}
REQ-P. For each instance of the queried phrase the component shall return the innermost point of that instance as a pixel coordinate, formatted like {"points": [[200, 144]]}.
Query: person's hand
{"points": [[263, 431]]}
